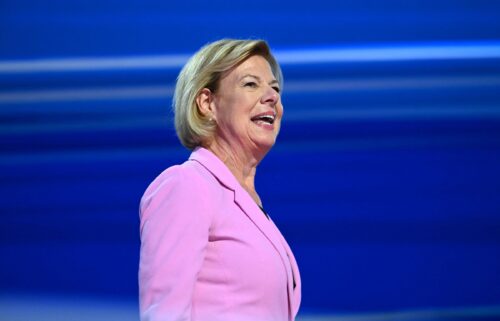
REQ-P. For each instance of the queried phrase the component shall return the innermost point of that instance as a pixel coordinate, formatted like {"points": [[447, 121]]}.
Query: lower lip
{"points": [[264, 125]]}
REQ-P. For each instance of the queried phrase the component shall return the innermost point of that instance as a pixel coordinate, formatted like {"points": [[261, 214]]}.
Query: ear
{"points": [[204, 102]]}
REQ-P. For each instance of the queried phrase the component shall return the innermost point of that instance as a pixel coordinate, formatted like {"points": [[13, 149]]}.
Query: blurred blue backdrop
{"points": [[385, 179]]}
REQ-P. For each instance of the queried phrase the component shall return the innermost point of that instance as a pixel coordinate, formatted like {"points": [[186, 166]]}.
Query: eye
{"points": [[277, 89], [251, 84]]}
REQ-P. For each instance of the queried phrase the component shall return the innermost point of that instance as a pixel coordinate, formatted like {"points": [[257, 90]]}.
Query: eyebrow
{"points": [[272, 82]]}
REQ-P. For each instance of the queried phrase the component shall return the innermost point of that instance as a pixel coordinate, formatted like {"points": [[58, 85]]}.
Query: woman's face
{"points": [[247, 106]]}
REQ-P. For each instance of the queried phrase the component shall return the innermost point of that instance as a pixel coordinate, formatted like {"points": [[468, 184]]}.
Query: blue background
{"points": [[385, 179]]}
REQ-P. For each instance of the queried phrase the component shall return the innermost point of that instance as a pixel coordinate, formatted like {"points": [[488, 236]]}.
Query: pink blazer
{"points": [[209, 253]]}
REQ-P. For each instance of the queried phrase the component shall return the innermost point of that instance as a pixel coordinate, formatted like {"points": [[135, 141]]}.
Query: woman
{"points": [[208, 250]]}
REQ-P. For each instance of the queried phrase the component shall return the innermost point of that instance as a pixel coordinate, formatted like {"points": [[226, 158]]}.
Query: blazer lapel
{"points": [[254, 213], [267, 227], [296, 297]]}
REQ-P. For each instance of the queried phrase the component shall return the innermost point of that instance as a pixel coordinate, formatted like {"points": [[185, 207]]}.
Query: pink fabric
{"points": [[208, 253]]}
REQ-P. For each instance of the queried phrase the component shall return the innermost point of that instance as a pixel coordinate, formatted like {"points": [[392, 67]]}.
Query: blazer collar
{"points": [[241, 197], [215, 166]]}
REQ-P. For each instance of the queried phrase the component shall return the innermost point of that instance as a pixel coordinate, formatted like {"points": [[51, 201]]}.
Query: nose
{"points": [[270, 96]]}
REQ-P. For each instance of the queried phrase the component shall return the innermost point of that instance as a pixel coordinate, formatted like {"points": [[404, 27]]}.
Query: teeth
{"points": [[265, 118]]}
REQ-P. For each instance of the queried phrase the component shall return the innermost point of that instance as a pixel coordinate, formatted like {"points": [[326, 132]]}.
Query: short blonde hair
{"points": [[204, 70]]}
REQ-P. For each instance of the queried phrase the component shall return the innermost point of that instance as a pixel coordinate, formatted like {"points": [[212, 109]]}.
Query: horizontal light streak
{"points": [[292, 87], [396, 52], [86, 94], [337, 114], [375, 53], [42, 308], [93, 64], [457, 313], [394, 83], [132, 122]]}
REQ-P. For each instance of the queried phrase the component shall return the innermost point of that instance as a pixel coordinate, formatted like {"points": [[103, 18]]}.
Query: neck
{"points": [[241, 164]]}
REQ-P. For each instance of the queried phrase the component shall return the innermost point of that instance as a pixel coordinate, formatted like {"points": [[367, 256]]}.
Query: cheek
{"points": [[280, 111]]}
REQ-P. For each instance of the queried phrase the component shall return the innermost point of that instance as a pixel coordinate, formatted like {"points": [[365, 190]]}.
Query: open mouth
{"points": [[264, 118]]}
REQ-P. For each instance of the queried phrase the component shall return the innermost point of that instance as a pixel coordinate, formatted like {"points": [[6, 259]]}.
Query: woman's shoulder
{"points": [[181, 194], [187, 181], [169, 178], [187, 175]]}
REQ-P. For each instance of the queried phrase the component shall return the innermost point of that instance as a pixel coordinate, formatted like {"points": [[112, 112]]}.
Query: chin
{"points": [[266, 145]]}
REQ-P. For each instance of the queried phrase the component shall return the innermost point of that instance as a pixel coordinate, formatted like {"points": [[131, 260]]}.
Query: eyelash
{"points": [[253, 84]]}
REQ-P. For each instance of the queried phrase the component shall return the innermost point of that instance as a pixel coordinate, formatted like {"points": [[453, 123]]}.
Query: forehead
{"points": [[254, 66]]}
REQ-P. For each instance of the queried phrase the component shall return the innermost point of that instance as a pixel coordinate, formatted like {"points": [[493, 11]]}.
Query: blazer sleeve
{"points": [[174, 234]]}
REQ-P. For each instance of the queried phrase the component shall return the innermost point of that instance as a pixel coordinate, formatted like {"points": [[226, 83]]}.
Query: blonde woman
{"points": [[209, 251]]}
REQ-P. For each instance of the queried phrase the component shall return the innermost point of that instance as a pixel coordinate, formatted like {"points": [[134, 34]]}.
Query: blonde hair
{"points": [[204, 70]]}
